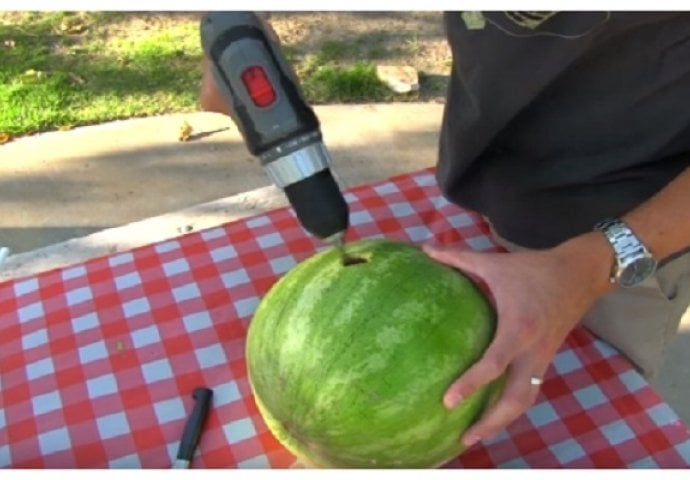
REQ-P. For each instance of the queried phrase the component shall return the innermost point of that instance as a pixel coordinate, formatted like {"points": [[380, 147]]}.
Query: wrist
{"points": [[588, 260]]}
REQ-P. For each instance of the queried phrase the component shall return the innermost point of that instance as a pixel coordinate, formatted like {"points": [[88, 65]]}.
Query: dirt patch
{"points": [[416, 39]]}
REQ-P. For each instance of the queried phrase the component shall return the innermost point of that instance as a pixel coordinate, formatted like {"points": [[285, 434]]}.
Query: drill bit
{"points": [[4, 253], [338, 242]]}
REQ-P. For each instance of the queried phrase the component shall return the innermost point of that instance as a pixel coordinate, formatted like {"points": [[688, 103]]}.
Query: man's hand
{"points": [[540, 296], [210, 98]]}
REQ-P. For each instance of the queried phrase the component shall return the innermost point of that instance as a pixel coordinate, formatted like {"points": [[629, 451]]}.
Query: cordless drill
{"points": [[278, 127]]}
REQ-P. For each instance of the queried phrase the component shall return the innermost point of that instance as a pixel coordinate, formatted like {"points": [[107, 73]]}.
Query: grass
{"points": [[61, 70], [54, 79], [343, 84]]}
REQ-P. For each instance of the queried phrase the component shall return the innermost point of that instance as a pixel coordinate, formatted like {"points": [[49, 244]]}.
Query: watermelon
{"points": [[348, 364]]}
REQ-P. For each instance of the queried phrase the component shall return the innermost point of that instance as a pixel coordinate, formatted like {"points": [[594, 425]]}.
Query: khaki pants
{"points": [[640, 322]]}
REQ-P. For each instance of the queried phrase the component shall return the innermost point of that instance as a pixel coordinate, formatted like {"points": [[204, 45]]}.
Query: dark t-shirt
{"points": [[556, 121]]}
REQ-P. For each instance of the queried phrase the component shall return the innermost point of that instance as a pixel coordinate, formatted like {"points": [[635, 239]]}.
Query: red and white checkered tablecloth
{"points": [[98, 360]]}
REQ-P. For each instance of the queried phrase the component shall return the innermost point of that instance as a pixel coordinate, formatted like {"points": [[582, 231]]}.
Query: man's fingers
{"points": [[210, 97], [463, 260], [519, 394], [492, 365], [515, 343]]}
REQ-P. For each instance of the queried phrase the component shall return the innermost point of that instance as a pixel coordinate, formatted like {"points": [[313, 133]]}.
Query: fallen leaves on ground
{"points": [[185, 132], [73, 26], [76, 79], [5, 137]]}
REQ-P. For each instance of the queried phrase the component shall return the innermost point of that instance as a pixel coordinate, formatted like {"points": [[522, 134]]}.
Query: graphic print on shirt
{"points": [[531, 24]]}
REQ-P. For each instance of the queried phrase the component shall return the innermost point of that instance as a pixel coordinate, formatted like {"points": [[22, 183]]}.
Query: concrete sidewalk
{"points": [[69, 196], [62, 185]]}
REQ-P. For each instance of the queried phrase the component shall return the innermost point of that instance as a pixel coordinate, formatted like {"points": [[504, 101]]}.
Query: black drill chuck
{"points": [[319, 205]]}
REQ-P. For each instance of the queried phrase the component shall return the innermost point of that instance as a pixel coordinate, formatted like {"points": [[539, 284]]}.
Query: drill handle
{"points": [[258, 85]]}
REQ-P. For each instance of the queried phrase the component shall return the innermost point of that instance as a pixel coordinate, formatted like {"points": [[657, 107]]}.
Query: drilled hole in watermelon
{"points": [[349, 260]]}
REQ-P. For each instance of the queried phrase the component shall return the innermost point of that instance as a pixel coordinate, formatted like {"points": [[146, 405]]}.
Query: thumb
{"points": [[464, 260]]}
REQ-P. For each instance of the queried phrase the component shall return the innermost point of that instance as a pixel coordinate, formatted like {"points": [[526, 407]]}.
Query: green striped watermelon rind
{"points": [[353, 402]]}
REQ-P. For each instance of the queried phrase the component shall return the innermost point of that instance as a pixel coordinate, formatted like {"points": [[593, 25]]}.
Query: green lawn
{"points": [[51, 78], [59, 70]]}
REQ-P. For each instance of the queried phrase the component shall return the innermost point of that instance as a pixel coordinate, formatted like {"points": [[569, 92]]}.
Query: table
{"points": [[98, 360]]}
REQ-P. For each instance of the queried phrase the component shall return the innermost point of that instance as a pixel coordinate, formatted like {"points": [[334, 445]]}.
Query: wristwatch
{"points": [[634, 262]]}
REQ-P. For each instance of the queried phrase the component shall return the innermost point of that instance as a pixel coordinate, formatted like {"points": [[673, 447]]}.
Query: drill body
{"points": [[277, 125]]}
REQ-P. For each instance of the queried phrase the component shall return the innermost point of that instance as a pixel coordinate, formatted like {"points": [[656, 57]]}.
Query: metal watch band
{"points": [[626, 246]]}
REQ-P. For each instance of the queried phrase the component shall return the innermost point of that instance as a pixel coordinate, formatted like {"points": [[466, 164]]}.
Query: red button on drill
{"points": [[258, 86]]}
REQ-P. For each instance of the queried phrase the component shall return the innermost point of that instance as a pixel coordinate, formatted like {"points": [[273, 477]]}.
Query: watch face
{"points": [[637, 272]]}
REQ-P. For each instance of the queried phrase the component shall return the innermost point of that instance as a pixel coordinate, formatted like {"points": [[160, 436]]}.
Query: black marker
{"points": [[192, 430]]}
